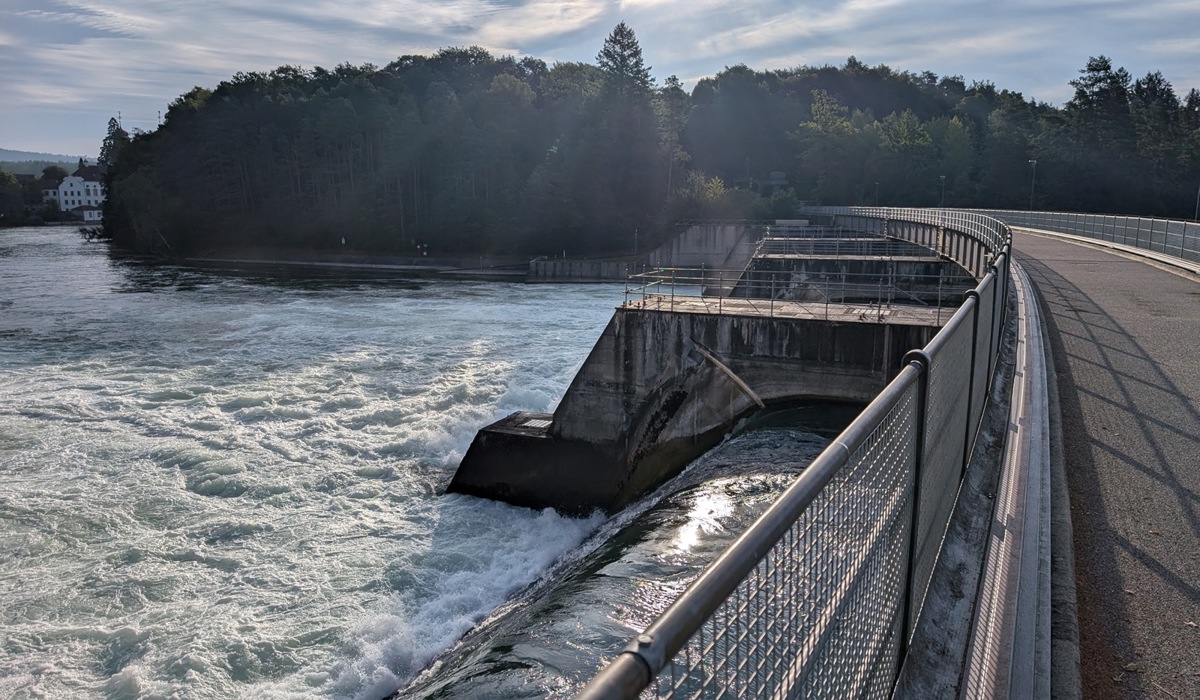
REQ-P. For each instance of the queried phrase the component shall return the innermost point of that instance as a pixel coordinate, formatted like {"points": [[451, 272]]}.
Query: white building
{"points": [[89, 213], [83, 189]]}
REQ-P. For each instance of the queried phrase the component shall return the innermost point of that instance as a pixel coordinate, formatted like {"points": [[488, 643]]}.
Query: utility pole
{"points": [[1032, 183]]}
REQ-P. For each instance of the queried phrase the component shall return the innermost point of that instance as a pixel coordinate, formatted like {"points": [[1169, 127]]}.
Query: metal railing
{"points": [[841, 247], [813, 293], [1170, 237], [820, 595]]}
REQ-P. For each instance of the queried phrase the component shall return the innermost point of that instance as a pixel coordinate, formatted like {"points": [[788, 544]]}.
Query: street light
{"points": [[943, 202], [1196, 215], [1032, 182], [877, 194]]}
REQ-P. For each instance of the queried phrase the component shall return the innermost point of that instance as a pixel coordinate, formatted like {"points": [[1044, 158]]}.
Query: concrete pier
{"points": [[649, 398]]}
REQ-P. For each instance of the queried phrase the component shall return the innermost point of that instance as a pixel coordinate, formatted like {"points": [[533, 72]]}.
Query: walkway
{"points": [[1125, 337]]}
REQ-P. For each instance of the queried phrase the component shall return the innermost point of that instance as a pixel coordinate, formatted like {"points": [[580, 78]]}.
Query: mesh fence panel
{"points": [[1170, 237], [946, 414], [820, 613], [987, 292]]}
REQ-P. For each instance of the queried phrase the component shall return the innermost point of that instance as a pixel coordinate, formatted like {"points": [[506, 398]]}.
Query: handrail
{"points": [[1171, 237], [671, 287], [667, 634], [892, 456]]}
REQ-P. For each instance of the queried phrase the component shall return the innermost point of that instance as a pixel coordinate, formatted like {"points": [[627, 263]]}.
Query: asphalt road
{"points": [[1126, 343]]}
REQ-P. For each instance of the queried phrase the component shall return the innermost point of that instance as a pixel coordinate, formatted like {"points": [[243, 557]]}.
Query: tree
{"points": [[625, 73], [1099, 110], [12, 199], [671, 111], [828, 156], [1156, 118], [115, 140], [54, 172]]}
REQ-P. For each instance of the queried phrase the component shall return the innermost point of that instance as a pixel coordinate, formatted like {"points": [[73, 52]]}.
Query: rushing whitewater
{"points": [[229, 485]]}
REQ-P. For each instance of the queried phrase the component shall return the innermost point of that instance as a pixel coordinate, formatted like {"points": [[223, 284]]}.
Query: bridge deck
{"points": [[895, 314], [1124, 336]]}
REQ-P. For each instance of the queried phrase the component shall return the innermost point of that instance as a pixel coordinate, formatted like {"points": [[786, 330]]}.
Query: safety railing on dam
{"points": [[1169, 237], [820, 595], [816, 294]]}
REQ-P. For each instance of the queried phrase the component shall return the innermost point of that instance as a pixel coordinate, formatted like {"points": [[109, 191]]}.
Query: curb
{"points": [[1065, 681]]}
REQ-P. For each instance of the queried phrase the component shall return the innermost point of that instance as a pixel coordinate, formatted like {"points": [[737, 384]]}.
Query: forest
{"points": [[466, 152]]}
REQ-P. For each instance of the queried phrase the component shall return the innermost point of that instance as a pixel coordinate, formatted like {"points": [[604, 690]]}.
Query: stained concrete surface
{"points": [[1125, 338]]}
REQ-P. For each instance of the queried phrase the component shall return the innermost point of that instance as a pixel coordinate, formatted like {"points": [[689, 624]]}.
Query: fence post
{"points": [[968, 297], [923, 362]]}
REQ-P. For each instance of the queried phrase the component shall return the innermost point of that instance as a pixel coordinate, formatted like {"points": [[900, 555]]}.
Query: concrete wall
{"points": [[710, 245], [713, 245], [647, 401], [581, 270]]}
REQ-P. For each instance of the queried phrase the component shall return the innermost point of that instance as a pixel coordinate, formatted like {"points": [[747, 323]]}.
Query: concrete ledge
{"points": [[1010, 651]]}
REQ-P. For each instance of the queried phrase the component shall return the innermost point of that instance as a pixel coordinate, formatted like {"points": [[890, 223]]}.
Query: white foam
{"points": [[247, 476]]}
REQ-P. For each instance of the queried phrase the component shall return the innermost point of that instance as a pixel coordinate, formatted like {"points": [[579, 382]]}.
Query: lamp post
{"points": [[877, 194], [943, 202], [1196, 214], [1032, 183]]}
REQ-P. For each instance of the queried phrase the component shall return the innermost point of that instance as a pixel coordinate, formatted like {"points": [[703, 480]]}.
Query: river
{"points": [[219, 484]]}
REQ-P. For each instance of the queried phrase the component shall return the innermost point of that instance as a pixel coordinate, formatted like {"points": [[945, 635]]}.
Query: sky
{"points": [[67, 66]]}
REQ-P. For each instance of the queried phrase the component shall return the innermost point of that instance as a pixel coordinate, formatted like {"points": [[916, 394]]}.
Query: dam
{"points": [[814, 312]]}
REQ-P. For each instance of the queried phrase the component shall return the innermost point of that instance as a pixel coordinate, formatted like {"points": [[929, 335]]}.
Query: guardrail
{"points": [[840, 247], [820, 595], [811, 292], [1170, 237]]}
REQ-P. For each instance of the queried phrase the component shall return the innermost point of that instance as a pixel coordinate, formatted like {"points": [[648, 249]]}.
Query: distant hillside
{"points": [[18, 156]]}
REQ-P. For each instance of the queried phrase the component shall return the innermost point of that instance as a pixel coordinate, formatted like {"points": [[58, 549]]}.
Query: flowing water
{"points": [[229, 484]]}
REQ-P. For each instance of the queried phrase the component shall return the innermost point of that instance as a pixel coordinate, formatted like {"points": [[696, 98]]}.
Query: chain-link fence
{"points": [[819, 596]]}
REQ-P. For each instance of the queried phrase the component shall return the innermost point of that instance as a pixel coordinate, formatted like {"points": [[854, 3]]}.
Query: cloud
{"points": [[85, 57]]}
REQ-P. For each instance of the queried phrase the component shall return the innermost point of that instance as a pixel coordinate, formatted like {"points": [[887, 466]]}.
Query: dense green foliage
{"points": [[464, 151]]}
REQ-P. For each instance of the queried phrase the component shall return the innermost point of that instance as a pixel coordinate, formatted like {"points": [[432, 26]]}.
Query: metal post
{"points": [[970, 295], [879, 302], [922, 360], [941, 272], [1032, 182]]}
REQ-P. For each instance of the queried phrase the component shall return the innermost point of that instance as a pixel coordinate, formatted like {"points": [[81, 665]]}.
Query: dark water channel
{"points": [[552, 638]]}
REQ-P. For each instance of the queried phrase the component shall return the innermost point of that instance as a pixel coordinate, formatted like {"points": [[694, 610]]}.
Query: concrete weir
{"points": [[669, 377]]}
